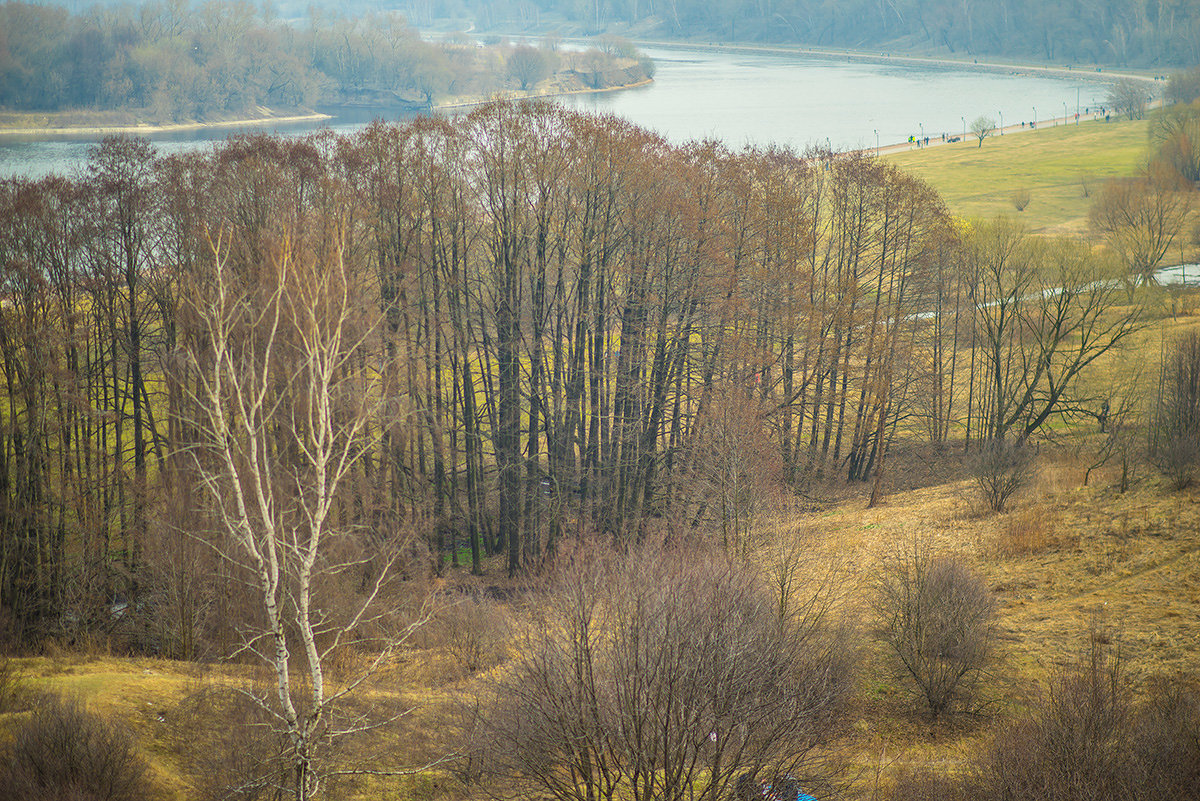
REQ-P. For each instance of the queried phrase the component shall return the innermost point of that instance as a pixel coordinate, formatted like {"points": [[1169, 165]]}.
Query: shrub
{"points": [[1075, 746], [938, 619], [1086, 739], [62, 752], [475, 631], [1001, 470], [230, 747], [1021, 198], [1166, 741], [631, 655]]}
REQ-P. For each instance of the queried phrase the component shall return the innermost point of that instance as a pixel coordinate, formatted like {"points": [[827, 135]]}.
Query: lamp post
{"points": [[964, 122], [876, 143], [1035, 116], [1001, 123], [1064, 112], [1076, 105], [922, 127]]}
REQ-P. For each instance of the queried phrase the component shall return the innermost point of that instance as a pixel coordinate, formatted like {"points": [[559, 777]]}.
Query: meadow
{"points": [[1061, 166]]}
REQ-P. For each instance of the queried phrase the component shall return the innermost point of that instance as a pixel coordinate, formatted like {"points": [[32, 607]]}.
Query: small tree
{"points": [[661, 676], [982, 128], [528, 65], [938, 619], [1002, 469], [283, 400], [1128, 96], [1021, 198], [1140, 218], [1184, 86]]}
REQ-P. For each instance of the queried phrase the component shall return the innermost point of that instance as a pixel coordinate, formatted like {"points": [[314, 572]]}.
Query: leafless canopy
{"points": [[938, 619], [664, 677]]}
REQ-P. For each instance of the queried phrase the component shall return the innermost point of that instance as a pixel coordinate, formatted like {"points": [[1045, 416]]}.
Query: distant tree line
{"points": [[1088, 31], [171, 60]]}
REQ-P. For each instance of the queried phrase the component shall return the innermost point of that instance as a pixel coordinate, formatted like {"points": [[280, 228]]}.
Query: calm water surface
{"points": [[740, 98]]}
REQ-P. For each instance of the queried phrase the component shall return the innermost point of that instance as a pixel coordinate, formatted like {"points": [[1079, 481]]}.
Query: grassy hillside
{"points": [[1059, 165]]}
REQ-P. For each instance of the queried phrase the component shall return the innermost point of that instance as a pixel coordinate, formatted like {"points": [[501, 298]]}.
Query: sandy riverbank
{"points": [[1084, 72], [471, 102], [146, 129]]}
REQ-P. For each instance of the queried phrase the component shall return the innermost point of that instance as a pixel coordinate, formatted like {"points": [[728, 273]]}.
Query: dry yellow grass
{"points": [[1079, 552]]}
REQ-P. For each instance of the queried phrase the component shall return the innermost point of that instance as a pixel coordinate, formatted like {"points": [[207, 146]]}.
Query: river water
{"points": [[739, 97]]}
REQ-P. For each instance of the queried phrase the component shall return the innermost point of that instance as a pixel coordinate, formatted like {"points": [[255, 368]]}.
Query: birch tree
{"points": [[282, 405]]}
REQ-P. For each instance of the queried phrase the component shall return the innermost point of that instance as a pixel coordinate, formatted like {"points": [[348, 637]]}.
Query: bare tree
{"points": [[527, 65], [1140, 218], [664, 678], [1044, 311], [282, 403], [982, 128], [938, 619], [1129, 96]]}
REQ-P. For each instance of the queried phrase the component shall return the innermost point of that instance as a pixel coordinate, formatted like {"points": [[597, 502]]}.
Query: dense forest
{"points": [[173, 61], [529, 324], [1139, 32]]}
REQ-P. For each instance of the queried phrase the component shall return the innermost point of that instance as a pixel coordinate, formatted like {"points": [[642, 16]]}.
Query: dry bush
{"points": [[1021, 198], [938, 619], [926, 785], [232, 746], [1026, 532], [1001, 470], [475, 632], [1166, 741], [1086, 739], [1075, 745], [630, 656], [62, 752], [228, 745]]}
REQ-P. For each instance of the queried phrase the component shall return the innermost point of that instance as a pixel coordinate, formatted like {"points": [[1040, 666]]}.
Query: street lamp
{"points": [[1001, 123], [1035, 116], [964, 122], [922, 126], [1064, 112], [876, 143]]}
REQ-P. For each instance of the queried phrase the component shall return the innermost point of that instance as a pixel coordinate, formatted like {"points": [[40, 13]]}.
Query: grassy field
{"points": [[1057, 164]]}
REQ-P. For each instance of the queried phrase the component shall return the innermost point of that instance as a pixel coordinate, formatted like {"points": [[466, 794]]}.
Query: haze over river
{"points": [[740, 97]]}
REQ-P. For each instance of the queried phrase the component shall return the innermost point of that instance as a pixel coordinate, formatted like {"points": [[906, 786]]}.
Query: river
{"points": [[741, 97]]}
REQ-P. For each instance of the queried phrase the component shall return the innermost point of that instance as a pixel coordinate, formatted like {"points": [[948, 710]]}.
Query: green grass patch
{"points": [[1060, 166]]}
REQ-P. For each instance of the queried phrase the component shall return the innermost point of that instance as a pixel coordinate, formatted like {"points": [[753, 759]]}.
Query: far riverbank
{"points": [[561, 85], [150, 129]]}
